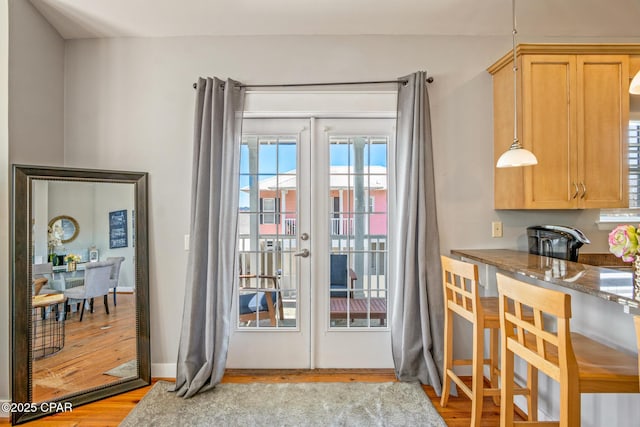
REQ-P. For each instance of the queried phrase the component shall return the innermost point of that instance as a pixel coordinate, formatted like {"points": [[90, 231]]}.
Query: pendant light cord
{"points": [[515, 76], [516, 155]]}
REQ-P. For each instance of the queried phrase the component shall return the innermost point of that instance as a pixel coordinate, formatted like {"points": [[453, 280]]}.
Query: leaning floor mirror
{"points": [[80, 287]]}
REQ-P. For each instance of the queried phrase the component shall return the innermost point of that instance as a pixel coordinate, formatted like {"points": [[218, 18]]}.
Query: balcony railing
{"points": [[289, 227], [339, 226]]}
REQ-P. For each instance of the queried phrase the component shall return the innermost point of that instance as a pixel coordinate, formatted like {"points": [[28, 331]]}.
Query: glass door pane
{"points": [[270, 327], [268, 286], [358, 230], [349, 266]]}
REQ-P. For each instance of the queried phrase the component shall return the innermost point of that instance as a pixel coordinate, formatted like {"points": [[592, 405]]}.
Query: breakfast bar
{"points": [[602, 300], [611, 284]]}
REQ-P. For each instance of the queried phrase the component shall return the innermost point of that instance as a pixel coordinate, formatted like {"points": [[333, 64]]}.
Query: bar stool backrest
{"points": [[550, 352], [460, 281]]}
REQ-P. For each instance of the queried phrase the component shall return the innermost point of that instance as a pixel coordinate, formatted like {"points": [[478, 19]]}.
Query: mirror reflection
{"points": [[83, 305]]}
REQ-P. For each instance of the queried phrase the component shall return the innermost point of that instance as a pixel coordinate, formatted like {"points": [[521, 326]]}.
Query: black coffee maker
{"points": [[556, 241]]}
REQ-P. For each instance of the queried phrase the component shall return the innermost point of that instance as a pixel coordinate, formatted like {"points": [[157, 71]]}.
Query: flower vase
{"points": [[636, 277], [71, 266]]}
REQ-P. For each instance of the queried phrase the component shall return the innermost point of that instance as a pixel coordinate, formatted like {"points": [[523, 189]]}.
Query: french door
{"points": [[313, 289]]}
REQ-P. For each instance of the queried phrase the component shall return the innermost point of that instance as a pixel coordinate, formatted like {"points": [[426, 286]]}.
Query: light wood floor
{"points": [[111, 411], [97, 344]]}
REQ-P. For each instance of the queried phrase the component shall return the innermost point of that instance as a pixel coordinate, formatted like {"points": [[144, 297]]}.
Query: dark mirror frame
{"points": [[21, 362]]}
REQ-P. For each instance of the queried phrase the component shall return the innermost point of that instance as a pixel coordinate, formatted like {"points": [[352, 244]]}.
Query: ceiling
{"points": [[169, 18]]}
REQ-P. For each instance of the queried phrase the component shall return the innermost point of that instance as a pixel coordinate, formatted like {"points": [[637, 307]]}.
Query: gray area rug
{"points": [[126, 370], [289, 404]]}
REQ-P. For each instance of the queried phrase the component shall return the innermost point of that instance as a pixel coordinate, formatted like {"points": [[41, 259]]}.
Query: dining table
{"points": [[64, 279]]}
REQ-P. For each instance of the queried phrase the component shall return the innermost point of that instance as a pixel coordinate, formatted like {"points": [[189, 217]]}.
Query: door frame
{"points": [[275, 105]]}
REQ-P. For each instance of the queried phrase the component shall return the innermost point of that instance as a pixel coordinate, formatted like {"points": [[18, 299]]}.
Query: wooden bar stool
{"points": [[578, 363], [460, 281]]}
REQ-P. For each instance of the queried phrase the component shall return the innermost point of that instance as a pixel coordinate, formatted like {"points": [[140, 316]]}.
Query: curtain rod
{"points": [[429, 80]]}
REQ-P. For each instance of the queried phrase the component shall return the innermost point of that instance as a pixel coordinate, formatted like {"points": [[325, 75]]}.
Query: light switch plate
{"points": [[186, 242]]}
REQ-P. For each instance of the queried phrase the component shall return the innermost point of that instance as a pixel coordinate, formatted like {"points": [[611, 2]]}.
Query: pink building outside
{"points": [[278, 202]]}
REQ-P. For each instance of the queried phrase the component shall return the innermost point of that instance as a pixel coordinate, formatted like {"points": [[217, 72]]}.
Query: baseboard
{"points": [[3, 406], [521, 401], [163, 370]]}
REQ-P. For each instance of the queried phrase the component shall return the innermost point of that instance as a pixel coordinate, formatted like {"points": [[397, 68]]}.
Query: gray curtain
{"points": [[417, 315], [212, 265]]}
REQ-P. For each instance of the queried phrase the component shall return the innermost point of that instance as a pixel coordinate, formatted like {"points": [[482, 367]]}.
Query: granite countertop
{"points": [[606, 283]]}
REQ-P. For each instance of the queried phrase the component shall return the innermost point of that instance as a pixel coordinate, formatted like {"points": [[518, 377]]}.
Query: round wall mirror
{"points": [[65, 228]]}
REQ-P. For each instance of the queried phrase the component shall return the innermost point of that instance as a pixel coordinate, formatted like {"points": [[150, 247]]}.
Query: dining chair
{"points": [[462, 298], [578, 363], [115, 274], [97, 282], [45, 271]]}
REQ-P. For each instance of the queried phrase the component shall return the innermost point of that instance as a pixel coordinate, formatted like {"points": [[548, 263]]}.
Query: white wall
{"points": [[31, 122], [129, 105], [77, 200], [114, 197], [36, 76], [40, 215]]}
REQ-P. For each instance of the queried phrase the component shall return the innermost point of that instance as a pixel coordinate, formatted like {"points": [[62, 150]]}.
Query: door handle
{"points": [[584, 190], [303, 253]]}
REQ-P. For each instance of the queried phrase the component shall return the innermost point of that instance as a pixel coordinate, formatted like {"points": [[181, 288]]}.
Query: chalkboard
{"points": [[118, 229]]}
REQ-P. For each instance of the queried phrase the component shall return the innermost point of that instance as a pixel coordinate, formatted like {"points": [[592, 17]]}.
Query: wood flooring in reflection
{"points": [[97, 344]]}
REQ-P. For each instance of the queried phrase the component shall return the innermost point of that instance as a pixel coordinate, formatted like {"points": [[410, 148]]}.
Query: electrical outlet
{"points": [[496, 229]]}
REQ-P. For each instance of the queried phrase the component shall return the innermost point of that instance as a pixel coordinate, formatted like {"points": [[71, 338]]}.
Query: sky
{"points": [[281, 158]]}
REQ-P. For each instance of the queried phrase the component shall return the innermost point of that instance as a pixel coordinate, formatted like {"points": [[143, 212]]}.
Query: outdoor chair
{"points": [[263, 303]]}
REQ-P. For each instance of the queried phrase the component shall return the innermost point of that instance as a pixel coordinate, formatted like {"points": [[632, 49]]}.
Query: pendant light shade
{"points": [[516, 156], [634, 87]]}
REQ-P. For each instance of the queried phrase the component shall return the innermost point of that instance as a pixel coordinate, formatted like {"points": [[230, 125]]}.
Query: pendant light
{"points": [[634, 87], [516, 155]]}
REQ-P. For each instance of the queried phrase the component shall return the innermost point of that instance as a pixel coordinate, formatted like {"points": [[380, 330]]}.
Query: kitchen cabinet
{"points": [[573, 114]]}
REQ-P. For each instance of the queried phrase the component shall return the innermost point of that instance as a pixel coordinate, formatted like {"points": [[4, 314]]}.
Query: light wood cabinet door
{"points": [[549, 129], [603, 121], [573, 114]]}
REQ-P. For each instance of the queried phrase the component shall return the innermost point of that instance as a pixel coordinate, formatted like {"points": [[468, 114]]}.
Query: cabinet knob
{"points": [[584, 190]]}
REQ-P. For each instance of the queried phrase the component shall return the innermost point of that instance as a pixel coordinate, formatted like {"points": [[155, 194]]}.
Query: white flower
{"points": [[54, 240]]}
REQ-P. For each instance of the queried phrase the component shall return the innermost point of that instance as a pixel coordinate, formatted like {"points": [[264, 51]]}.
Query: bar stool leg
{"points": [[477, 389], [506, 389], [448, 357], [532, 398], [493, 362], [569, 404]]}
